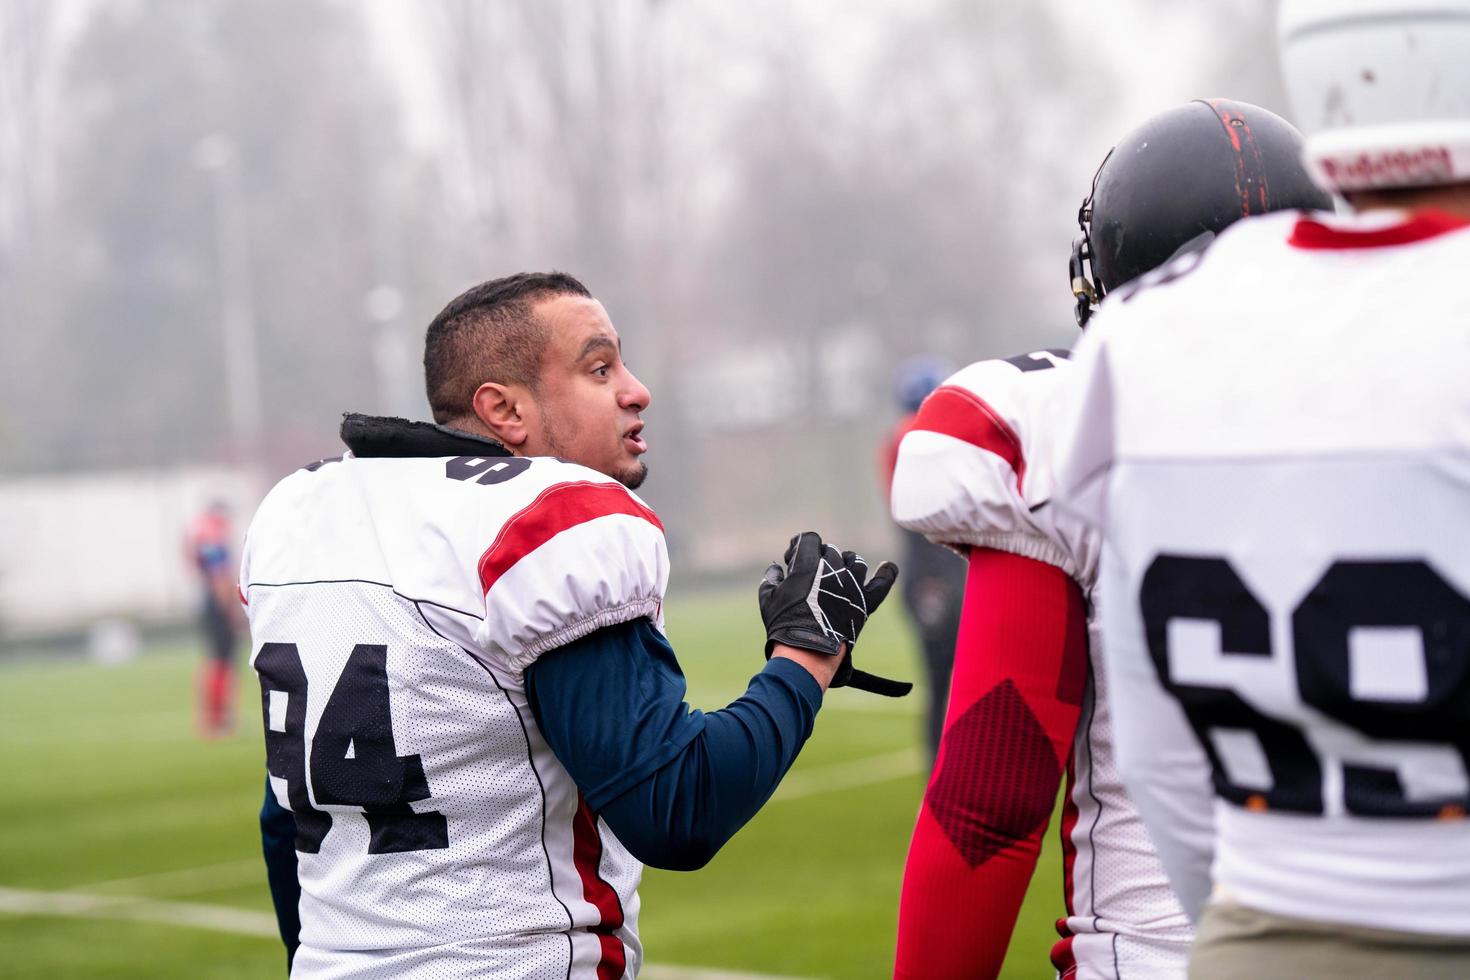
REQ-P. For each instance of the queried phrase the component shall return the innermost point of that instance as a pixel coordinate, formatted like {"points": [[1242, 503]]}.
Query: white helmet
{"points": [[1381, 88]]}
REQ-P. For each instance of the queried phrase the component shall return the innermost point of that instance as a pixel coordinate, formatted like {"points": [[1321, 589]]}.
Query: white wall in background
{"points": [[77, 548]]}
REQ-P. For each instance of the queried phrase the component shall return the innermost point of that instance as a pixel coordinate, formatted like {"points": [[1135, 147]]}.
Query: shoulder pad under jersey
{"points": [[974, 470], [583, 553]]}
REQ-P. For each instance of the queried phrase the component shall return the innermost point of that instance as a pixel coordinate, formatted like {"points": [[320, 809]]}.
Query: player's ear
{"points": [[498, 408]]}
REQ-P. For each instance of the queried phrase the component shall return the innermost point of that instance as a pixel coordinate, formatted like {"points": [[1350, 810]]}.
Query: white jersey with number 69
{"points": [[1275, 438], [394, 607]]}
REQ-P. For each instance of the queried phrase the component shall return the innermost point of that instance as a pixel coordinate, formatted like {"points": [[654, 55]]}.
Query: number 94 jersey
{"points": [[394, 607], [1275, 438]]}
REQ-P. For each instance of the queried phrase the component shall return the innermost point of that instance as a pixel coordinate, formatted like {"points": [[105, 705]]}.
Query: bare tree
{"points": [[122, 357]]}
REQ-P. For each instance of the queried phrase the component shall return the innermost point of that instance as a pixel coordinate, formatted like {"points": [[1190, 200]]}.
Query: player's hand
{"points": [[819, 600]]}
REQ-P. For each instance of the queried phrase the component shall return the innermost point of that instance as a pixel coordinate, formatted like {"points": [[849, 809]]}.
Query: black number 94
{"points": [[353, 762]]}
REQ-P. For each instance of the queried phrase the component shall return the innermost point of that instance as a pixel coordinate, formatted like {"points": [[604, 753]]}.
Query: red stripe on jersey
{"points": [[558, 508], [587, 856], [1062, 956], [1069, 823], [241, 593], [1419, 226], [960, 414]]}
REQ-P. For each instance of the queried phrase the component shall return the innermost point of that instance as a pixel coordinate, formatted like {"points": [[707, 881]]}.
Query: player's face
{"points": [[587, 403]]}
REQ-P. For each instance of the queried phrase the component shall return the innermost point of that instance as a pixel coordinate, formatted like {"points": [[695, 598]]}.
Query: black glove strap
{"points": [[808, 640], [873, 684]]}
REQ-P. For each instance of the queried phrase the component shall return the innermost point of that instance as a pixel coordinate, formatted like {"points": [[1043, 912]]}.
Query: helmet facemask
{"points": [[1086, 289]]}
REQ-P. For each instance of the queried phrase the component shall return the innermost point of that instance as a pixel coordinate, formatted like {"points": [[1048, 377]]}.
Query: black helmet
{"points": [[1177, 181]]}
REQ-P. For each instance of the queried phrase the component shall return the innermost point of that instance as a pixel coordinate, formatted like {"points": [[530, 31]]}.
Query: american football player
{"points": [[471, 710], [1027, 706], [210, 542], [1274, 437]]}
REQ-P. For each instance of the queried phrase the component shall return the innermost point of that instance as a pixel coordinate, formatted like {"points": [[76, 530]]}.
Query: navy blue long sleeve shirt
{"points": [[673, 783], [278, 840]]}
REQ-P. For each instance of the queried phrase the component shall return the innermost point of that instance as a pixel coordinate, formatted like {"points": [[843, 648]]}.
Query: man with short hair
{"points": [[1274, 438], [471, 709]]}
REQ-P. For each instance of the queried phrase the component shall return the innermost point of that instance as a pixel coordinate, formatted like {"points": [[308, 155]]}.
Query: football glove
{"points": [[819, 600]]}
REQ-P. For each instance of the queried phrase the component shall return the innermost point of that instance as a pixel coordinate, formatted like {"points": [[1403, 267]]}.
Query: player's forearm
{"points": [[683, 813], [673, 784], [821, 666]]}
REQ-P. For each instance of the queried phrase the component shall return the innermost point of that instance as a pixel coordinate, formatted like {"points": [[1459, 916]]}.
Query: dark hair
{"points": [[489, 333]]}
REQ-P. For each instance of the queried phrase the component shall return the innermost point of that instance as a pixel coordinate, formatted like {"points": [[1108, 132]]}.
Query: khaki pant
{"points": [[1238, 943]]}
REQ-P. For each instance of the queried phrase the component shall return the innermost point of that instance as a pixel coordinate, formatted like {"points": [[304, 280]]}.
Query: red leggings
{"points": [[216, 696]]}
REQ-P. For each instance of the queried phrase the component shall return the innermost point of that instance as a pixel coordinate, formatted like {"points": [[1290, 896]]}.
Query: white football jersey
{"points": [[394, 606], [1275, 436], [979, 473]]}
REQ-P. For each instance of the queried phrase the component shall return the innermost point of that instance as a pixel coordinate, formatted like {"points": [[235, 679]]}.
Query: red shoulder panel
{"points": [[961, 414], [556, 509]]}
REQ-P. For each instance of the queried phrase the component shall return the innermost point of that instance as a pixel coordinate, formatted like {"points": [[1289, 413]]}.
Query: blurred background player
{"points": [[933, 576], [1275, 438], [1027, 702], [471, 708], [210, 543]]}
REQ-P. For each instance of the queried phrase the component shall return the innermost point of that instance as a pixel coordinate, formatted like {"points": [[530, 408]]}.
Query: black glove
{"points": [[819, 600]]}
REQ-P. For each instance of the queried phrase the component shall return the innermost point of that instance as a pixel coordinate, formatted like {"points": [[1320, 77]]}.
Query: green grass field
{"points": [[129, 848]]}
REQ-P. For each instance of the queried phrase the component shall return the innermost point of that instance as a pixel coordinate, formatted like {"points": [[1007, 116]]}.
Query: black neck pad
{"points": [[379, 436]]}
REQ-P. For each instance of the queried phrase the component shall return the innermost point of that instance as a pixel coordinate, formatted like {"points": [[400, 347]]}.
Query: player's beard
{"points": [[632, 477]]}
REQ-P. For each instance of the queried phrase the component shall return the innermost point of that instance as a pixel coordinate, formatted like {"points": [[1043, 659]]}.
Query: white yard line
{"points": [[35, 727], [850, 775], [76, 905], [184, 881], [241, 922]]}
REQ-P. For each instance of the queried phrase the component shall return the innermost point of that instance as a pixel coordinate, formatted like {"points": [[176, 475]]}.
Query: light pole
{"points": [[397, 390], [215, 155]]}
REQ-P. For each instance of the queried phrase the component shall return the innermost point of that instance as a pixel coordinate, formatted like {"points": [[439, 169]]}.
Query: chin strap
{"points": [[370, 436], [1086, 290]]}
